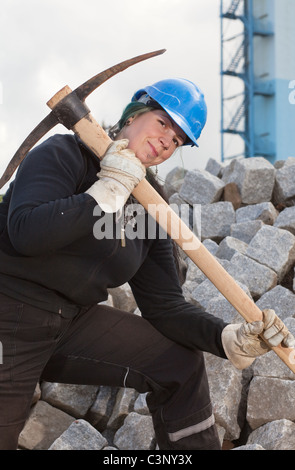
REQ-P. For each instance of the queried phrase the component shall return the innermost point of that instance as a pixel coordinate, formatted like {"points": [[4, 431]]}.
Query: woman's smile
{"points": [[153, 150]]}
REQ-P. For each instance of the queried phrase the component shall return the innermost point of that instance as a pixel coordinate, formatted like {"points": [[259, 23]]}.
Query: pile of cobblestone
{"points": [[244, 213]]}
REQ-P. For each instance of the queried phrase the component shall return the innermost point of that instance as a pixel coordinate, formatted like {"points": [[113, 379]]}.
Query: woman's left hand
{"points": [[242, 342]]}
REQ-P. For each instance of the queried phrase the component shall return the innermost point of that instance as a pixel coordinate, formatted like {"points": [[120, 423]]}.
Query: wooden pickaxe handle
{"points": [[98, 141]]}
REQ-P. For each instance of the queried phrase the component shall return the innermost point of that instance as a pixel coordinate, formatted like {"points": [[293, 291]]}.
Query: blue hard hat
{"points": [[182, 100]]}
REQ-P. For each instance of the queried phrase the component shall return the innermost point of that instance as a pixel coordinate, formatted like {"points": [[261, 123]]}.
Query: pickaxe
{"points": [[69, 108]]}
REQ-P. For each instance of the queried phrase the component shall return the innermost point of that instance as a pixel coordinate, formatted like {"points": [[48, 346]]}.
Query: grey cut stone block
{"points": [[79, 436], [194, 277], [140, 405], [210, 245], [229, 246], [277, 435], [194, 273], [255, 178], [274, 248], [245, 231], [270, 365], [258, 278], [205, 295], [214, 167], [216, 220], [101, 409], [225, 392], [174, 180], [137, 433], [176, 199], [220, 307], [44, 424], [286, 219], [73, 399], [220, 432], [231, 193], [265, 211], [249, 447], [200, 187], [123, 298], [284, 190], [205, 290], [279, 164], [124, 399], [281, 300], [269, 407]]}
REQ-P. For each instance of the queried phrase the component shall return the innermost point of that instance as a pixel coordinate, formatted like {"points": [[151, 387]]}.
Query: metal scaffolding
{"points": [[238, 88]]}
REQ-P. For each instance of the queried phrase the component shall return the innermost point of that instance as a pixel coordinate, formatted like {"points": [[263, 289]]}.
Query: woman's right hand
{"points": [[120, 172]]}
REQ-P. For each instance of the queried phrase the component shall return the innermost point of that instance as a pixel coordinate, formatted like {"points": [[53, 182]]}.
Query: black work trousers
{"points": [[103, 346]]}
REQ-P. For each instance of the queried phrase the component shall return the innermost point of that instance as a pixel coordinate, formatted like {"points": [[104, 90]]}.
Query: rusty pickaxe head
{"points": [[70, 110]]}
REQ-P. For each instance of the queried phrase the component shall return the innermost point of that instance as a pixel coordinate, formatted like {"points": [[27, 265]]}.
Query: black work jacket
{"points": [[50, 258]]}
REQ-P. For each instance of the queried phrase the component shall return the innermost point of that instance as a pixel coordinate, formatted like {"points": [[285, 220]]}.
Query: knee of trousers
{"points": [[184, 368], [177, 375]]}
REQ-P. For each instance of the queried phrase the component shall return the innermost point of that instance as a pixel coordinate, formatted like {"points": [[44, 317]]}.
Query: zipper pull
{"points": [[123, 240]]}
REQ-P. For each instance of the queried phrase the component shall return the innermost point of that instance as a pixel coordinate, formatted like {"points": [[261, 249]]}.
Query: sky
{"points": [[48, 44]]}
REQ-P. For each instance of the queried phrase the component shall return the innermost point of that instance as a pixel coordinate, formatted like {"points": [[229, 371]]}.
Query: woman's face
{"points": [[153, 136]]}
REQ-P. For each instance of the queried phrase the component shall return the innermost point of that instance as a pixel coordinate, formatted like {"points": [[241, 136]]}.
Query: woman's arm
{"points": [[159, 297], [45, 214]]}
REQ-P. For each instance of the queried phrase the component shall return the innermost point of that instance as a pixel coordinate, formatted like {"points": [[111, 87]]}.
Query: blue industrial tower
{"points": [[257, 72]]}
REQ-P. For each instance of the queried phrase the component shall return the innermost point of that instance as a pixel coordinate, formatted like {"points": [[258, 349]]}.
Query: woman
{"points": [[54, 272]]}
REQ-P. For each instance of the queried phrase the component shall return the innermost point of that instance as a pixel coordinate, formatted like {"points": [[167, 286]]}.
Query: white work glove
{"points": [[120, 172], [242, 344]]}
